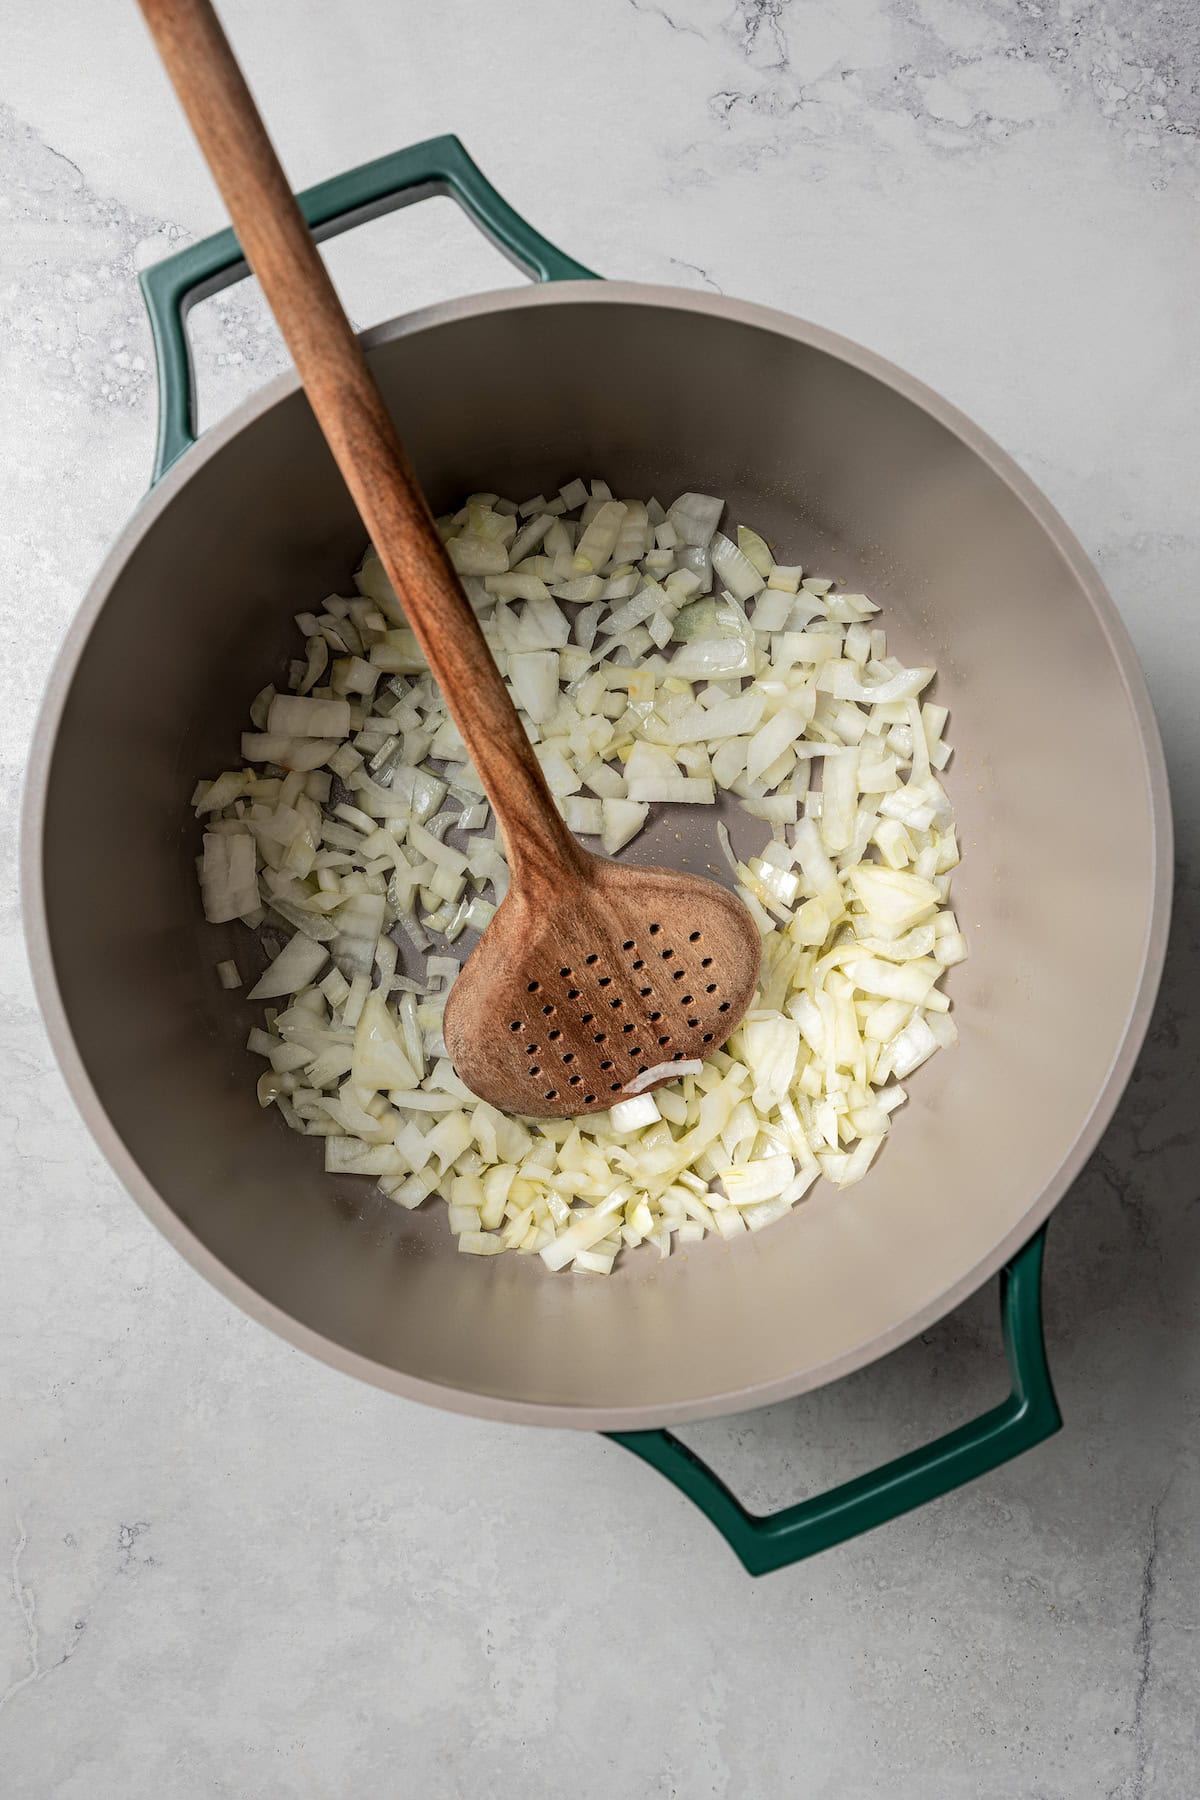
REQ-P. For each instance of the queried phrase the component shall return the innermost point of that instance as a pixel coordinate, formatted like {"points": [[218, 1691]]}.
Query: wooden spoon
{"points": [[594, 979]]}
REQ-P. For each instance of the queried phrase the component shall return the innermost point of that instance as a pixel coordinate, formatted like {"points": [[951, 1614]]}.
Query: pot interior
{"points": [[1051, 782]]}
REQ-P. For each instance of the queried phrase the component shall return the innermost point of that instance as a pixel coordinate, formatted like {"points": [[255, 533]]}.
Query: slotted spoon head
{"points": [[581, 984]]}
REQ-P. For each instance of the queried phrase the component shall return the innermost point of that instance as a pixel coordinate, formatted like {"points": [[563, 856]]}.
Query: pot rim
{"points": [[491, 1406]]}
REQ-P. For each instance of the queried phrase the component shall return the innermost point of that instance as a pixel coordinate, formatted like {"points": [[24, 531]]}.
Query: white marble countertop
{"points": [[226, 1570]]}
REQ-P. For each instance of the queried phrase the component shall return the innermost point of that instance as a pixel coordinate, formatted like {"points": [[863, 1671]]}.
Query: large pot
{"points": [[847, 464]]}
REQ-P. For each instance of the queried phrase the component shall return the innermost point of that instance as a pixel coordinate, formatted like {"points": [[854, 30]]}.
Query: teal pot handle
{"points": [[442, 166], [771, 1541], [438, 166]]}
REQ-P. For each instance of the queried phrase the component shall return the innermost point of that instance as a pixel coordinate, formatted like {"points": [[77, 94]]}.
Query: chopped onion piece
{"points": [[911, 1047], [581, 1234], [597, 541], [695, 517], [622, 820], [756, 551], [646, 1078], [295, 968], [583, 815], [227, 882], [473, 555], [750, 1182], [534, 675], [635, 1114], [481, 1243], [289, 752], [294, 716], [736, 571]]}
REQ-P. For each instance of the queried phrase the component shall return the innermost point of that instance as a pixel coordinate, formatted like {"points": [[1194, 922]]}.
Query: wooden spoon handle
{"points": [[350, 411]]}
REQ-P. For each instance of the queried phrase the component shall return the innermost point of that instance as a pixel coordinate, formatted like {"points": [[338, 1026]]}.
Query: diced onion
{"points": [[736, 571], [659, 1072], [292, 716], [640, 687], [695, 517], [635, 1114], [295, 968]]}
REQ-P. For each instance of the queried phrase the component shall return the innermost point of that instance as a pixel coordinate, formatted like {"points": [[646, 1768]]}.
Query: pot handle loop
{"points": [[764, 1542], [438, 166]]}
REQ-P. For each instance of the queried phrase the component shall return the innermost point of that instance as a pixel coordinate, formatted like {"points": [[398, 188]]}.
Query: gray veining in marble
{"points": [[227, 1571]]}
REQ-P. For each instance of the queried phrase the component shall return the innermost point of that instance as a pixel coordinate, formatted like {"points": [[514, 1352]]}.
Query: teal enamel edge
{"points": [[765, 1542], [437, 166]]}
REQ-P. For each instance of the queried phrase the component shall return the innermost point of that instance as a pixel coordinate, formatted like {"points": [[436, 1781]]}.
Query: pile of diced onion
{"points": [[655, 661]]}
